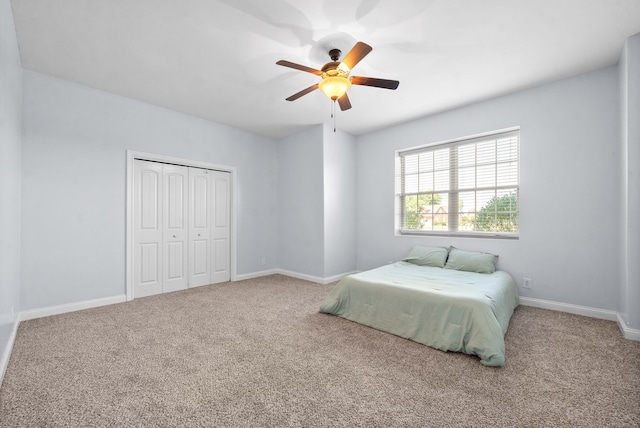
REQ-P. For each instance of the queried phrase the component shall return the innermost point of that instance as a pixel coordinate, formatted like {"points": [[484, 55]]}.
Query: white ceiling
{"points": [[215, 59]]}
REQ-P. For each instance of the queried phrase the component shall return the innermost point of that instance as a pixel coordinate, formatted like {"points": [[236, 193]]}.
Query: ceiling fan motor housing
{"points": [[331, 69]]}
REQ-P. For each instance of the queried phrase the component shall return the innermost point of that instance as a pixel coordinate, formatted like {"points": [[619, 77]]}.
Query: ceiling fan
{"points": [[335, 75]]}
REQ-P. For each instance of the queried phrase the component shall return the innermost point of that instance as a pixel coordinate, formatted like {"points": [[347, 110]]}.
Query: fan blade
{"points": [[355, 55], [302, 92], [344, 102], [371, 81], [299, 67]]}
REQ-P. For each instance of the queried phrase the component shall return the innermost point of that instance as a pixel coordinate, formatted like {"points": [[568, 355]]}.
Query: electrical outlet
{"points": [[263, 261], [526, 282]]}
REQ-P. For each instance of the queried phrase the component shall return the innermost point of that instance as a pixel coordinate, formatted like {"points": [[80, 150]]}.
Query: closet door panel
{"points": [[175, 232], [199, 227], [147, 219], [149, 268], [200, 257], [175, 266], [221, 186]]}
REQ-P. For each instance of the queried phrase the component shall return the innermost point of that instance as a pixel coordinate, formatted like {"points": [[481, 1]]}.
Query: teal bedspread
{"points": [[446, 309]]}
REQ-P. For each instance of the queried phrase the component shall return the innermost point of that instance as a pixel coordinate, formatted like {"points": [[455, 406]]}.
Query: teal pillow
{"points": [[471, 261], [427, 256]]}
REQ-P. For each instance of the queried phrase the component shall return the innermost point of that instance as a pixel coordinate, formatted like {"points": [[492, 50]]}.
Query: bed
{"points": [[447, 306]]}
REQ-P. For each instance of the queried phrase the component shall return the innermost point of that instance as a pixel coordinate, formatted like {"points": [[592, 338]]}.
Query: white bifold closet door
{"points": [[199, 227], [220, 226], [174, 228], [181, 227]]}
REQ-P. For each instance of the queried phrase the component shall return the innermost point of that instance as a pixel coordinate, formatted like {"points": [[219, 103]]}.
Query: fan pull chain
{"points": [[333, 114]]}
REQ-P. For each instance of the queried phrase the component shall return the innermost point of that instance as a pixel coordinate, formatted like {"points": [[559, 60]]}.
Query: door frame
{"points": [[131, 156]]}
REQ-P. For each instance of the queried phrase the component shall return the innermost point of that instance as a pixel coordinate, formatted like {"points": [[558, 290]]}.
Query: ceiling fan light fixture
{"points": [[334, 86]]}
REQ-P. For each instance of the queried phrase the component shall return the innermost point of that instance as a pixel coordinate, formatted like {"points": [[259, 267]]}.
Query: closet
{"points": [[181, 231]]}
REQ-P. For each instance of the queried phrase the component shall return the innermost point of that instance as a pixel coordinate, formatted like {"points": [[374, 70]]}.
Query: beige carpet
{"points": [[258, 353]]}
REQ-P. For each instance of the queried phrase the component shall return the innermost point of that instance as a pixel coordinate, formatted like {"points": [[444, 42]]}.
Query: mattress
{"points": [[445, 309]]}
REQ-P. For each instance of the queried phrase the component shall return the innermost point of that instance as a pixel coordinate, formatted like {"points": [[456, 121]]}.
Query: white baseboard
{"points": [[628, 332], [70, 307], [602, 314], [338, 277], [312, 278], [6, 355], [258, 274], [293, 274], [298, 275]]}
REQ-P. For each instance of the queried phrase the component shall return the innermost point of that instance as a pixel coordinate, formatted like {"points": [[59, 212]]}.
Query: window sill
{"points": [[481, 235]]}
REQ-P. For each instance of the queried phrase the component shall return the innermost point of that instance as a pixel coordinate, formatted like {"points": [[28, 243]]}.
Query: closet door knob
{"points": [[174, 236]]}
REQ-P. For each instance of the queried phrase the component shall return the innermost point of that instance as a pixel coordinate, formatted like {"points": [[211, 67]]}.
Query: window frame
{"points": [[453, 189]]}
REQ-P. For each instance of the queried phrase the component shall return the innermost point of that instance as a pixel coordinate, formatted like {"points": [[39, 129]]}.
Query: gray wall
{"points": [[317, 200], [301, 203], [629, 65], [340, 246], [10, 173], [74, 185], [570, 154]]}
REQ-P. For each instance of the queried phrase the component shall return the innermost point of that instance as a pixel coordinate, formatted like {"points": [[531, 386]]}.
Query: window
{"points": [[464, 187]]}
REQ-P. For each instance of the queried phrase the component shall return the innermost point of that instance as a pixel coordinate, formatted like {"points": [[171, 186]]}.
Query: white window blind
{"points": [[464, 187]]}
